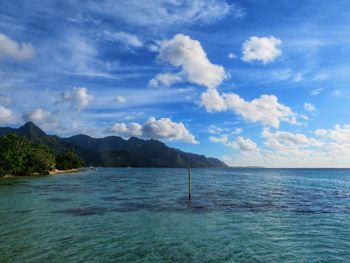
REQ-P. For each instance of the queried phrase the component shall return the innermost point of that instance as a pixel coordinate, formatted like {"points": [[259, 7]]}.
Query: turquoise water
{"points": [[143, 215]]}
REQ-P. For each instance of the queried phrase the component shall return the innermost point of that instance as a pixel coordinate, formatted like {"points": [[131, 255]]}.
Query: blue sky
{"points": [[250, 82]]}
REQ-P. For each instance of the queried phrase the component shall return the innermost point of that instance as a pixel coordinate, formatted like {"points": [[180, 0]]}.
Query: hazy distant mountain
{"points": [[114, 151]]}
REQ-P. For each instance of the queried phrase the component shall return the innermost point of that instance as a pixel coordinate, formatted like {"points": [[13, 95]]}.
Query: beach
{"points": [[56, 171]]}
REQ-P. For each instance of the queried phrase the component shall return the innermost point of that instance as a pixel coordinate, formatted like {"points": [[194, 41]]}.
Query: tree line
{"points": [[20, 156]]}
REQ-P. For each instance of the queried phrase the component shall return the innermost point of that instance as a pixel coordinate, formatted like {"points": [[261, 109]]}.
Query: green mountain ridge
{"points": [[114, 151]]}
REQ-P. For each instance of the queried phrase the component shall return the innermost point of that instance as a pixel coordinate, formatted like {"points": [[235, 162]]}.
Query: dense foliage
{"points": [[19, 156], [69, 160]]}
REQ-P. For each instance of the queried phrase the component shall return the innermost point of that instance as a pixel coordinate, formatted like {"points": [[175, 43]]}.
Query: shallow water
{"points": [[143, 215]]}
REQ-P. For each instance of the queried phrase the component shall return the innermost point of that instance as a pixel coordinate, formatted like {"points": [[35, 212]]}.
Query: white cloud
{"points": [[78, 97], [265, 109], [223, 139], [125, 38], [340, 134], [316, 92], [11, 49], [288, 142], [212, 101], [126, 130], [5, 100], [245, 145], [331, 148], [165, 79], [37, 116], [213, 129], [6, 115], [120, 99], [264, 49], [188, 54], [166, 13], [231, 55], [161, 129], [48, 121], [165, 128], [309, 107], [222, 135], [183, 52]]}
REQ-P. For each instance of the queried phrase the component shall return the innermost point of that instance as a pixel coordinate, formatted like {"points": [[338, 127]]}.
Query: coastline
{"points": [[76, 170], [55, 172]]}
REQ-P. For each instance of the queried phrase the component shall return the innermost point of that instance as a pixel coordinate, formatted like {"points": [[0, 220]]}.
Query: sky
{"points": [[251, 82]]}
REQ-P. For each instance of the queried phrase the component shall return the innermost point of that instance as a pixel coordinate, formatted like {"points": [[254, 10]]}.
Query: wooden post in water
{"points": [[189, 182]]}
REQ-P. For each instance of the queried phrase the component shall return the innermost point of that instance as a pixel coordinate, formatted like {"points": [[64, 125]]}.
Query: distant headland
{"points": [[113, 151]]}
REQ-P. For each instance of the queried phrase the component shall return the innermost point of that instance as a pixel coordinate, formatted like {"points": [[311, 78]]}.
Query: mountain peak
{"points": [[135, 139], [31, 130]]}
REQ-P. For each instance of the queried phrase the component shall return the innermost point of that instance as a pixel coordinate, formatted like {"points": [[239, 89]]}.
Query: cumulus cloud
{"points": [[340, 134], [187, 54], [265, 109], [125, 38], [79, 98], [6, 115], [245, 145], [48, 121], [242, 145], [126, 130], [165, 79], [165, 128], [212, 101], [330, 148], [11, 49], [161, 129], [309, 107], [222, 139], [264, 49], [37, 116], [183, 52], [120, 99], [288, 142]]}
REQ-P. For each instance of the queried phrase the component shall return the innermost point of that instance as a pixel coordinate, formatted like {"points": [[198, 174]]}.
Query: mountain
{"points": [[114, 151]]}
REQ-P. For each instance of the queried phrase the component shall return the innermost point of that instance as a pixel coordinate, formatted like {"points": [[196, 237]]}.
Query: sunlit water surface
{"points": [[143, 215]]}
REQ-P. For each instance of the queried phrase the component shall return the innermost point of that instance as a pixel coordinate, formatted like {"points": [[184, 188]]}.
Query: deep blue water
{"points": [[143, 215]]}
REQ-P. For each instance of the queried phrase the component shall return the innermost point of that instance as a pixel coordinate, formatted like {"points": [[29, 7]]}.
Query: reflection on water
{"points": [[143, 215]]}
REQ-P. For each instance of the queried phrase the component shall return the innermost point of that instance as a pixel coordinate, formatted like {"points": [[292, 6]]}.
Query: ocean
{"points": [[144, 215]]}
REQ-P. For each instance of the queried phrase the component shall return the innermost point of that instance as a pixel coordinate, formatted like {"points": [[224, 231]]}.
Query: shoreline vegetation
{"points": [[20, 156], [51, 173]]}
